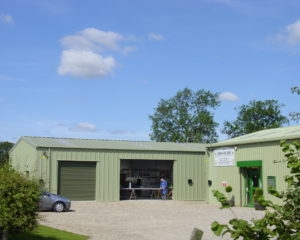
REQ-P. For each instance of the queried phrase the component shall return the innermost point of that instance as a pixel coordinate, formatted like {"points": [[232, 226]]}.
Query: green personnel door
{"points": [[251, 170], [252, 182]]}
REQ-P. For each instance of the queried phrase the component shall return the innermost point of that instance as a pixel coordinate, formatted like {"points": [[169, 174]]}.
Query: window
{"points": [[271, 182]]}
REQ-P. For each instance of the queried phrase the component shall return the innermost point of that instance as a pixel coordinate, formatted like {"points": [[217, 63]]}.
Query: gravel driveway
{"points": [[142, 219]]}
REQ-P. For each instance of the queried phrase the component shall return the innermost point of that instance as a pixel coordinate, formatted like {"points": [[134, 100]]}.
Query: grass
{"points": [[47, 233]]}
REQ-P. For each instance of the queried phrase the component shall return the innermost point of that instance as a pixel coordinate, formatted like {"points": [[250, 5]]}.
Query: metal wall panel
{"points": [[187, 165], [109, 173], [273, 164]]}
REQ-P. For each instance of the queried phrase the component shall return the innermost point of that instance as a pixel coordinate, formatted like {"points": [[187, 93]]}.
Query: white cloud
{"points": [[6, 18], [84, 53], [85, 64], [157, 37], [291, 34], [78, 43], [129, 49], [228, 96], [83, 127], [93, 39]]}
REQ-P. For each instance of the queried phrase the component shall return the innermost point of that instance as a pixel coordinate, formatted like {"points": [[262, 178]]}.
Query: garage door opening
{"points": [[140, 179]]}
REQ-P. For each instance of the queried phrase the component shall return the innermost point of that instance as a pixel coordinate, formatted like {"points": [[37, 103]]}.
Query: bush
{"points": [[226, 202], [259, 200], [228, 189], [258, 192], [18, 202]]}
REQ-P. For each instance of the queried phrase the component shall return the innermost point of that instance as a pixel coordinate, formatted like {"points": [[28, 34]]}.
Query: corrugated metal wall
{"points": [[27, 160], [218, 174], [43, 163], [186, 166], [272, 165], [194, 168]]}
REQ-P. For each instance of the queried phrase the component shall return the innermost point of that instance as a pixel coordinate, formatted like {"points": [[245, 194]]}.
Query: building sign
{"points": [[224, 157]]}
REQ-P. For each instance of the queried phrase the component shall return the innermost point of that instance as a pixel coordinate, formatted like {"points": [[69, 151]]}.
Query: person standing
{"points": [[164, 188]]}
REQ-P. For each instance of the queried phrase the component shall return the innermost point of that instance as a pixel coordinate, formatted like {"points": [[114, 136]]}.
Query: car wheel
{"points": [[58, 207]]}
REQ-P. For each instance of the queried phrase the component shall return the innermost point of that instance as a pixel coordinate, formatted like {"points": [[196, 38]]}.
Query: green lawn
{"points": [[47, 233]]}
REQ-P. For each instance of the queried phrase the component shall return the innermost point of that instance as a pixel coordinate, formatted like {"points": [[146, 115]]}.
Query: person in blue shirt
{"points": [[164, 188]]}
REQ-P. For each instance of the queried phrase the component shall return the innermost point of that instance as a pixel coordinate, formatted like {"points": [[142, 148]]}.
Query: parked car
{"points": [[53, 202]]}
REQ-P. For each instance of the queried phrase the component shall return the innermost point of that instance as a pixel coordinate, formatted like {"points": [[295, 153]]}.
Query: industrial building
{"points": [[86, 169], [104, 170]]}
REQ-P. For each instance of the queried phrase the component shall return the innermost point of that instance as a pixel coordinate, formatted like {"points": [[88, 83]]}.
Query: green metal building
{"points": [[249, 161], [86, 169]]}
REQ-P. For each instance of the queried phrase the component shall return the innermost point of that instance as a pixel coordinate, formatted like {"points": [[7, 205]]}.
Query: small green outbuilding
{"points": [[251, 161], [87, 169]]}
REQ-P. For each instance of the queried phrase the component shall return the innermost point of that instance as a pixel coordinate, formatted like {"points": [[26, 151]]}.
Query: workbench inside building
{"points": [[144, 193]]}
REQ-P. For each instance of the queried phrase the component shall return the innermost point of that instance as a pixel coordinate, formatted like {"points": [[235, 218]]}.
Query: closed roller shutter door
{"points": [[77, 180]]}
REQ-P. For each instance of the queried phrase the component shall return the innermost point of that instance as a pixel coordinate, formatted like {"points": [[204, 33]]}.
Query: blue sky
{"points": [[97, 69]]}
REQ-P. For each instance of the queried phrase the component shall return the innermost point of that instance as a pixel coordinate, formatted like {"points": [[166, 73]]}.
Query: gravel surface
{"points": [[143, 219]]}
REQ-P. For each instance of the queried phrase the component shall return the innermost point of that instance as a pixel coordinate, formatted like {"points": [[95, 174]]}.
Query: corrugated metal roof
{"points": [[268, 135], [48, 142]]}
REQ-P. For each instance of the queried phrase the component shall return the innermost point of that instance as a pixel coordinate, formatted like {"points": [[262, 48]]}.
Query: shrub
{"points": [[226, 202], [18, 202], [228, 189]]}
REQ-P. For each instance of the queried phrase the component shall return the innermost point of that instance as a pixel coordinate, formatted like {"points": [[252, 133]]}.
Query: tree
{"points": [[18, 202], [256, 116], [295, 116], [4, 151], [186, 117], [280, 221]]}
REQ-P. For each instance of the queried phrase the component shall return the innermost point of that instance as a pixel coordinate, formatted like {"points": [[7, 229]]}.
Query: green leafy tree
{"points": [[256, 116], [280, 222], [295, 116], [18, 202], [186, 117], [4, 151]]}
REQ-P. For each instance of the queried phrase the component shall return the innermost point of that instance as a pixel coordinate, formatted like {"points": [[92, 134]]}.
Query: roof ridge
{"points": [[112, 140]]}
